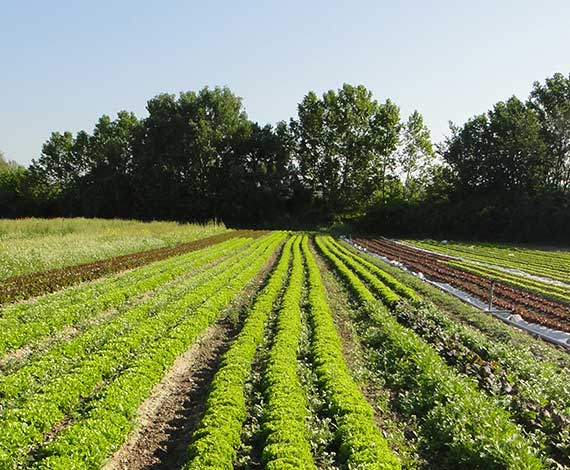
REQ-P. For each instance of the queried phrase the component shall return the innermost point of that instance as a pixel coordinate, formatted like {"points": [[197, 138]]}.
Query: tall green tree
{"points": [[551, 101], [185, 142], [5, 165], [16, 189], [59, 168], [108, 185], [415, 156], [343, 146], [499, 152], [256, 182]]}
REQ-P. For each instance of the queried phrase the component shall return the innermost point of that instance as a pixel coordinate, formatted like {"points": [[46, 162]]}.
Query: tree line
{"points": [[345, 157], [506, 174]]}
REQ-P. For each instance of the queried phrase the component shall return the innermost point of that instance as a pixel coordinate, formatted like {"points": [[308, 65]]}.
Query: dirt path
{"points": [[167, 418]]}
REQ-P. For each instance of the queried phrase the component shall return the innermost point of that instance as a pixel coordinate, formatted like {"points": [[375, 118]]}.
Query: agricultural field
{"points": [[546, 264], [269, 350], [542, 303]]}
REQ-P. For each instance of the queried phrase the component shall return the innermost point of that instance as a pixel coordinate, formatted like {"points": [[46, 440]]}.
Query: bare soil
{"points": [[168, 417]]}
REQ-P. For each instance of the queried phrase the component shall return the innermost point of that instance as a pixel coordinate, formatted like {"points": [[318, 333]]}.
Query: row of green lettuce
{"points": [[218, 437], [107, 339], [362, 444], [286, 443], [22, 324], [284, 421]]}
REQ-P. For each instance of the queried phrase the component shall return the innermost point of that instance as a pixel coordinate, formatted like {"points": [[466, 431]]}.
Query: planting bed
{"points": [[529, 305]]}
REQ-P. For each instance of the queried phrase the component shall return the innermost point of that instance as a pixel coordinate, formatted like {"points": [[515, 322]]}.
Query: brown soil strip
{"points": [[30, 285]]}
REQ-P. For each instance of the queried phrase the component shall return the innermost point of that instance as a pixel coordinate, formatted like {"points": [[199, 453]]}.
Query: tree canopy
{"points": [[345, 156]]}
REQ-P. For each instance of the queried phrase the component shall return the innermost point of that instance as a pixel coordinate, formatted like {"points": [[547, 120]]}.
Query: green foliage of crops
{"points": [[391, 283], [33, 245], [470, 429], [140, 356], [548, 263], [108, 419], [216, 441], [521, 343], [92, 354], [286, 444], [537, 394], [29, 321], [361, 443], [553, 291]]}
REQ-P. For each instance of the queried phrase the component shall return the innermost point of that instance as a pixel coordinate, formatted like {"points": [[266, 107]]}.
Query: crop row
{"points": [[389, 288], [284, 418], [361, 443], [469, 428], [536, 395], [24, 323], [154, 340], [67, 356], [109, 418], [542, 263], [218, 437], [78, 371], [552, 291], [530, 306], [441, 268], [285, 415], [28, 285], [521, 344]]}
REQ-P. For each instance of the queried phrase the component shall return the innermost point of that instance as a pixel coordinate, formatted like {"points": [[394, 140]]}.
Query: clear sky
{"points": [[65, 63]]}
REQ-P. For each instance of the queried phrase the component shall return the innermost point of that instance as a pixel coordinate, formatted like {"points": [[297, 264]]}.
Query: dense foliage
{"points": [[197, 156], [346, 156], [503, 168]]}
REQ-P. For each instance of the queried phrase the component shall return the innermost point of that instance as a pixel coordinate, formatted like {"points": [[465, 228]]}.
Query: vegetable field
{"points": [[269, 350], [534, 302]]}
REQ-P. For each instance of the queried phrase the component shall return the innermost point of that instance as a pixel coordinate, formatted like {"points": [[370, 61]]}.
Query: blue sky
{"points": [[65, 63]]}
